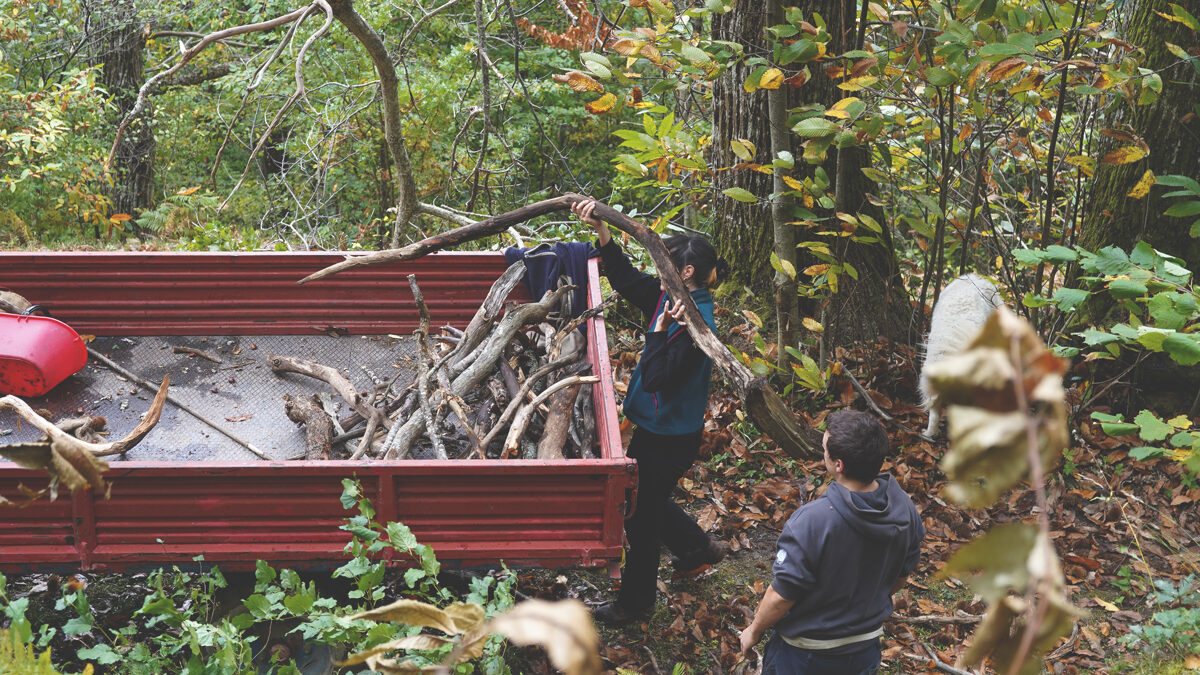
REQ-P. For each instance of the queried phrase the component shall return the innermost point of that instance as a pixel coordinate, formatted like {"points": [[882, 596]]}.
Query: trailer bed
{"points": [[188, 491]]}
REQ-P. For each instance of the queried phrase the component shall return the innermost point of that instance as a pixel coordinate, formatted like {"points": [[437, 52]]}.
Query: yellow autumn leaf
{"points": [[626, 47], [1125, 155], [187, 191], [814, 270], [743, 148], [793, 183], [753, 318], [858, 83], [839, 109], [579, 81], [1031, 81], [813, 325], [772, 79], [1005, 68], [878, 11], [120, 217], [964, 132], [601, 105], [1107, 605], [1143, 185]]}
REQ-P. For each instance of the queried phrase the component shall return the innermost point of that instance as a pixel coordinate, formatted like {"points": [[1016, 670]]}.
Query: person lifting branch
{"points": [[666, 400], [839, 559]]}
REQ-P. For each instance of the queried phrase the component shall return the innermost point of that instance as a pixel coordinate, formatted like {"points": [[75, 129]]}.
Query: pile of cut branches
{"points": [[509, 385]]}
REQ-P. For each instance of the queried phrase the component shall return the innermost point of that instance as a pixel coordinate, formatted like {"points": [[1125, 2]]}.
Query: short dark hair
{"points": [[859, 441], [690, 249]]}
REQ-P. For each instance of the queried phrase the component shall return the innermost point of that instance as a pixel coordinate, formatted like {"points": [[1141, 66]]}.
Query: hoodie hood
{"points": [[886, 523]]}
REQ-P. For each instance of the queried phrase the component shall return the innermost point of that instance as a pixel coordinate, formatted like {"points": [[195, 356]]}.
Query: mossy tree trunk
{"points": [[1171, 127], [742, 231], [875, 305]]}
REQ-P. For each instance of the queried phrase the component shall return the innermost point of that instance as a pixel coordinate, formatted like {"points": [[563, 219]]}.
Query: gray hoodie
{"points": [[839, 556]]}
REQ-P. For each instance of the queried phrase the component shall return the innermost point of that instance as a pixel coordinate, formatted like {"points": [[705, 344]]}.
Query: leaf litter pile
{"points": [[1117, 525]]}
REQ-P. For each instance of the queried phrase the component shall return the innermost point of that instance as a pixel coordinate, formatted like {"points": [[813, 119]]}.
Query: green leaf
{"points": [[1095, 338], [1164, 309], [1152, 427], [101, 654], [940, 77], [1126, 288], [1182, 210], [258, 606], [1182, 348], [1068, 299], [412, 575], [1142, 453], [815, 127], [1175, 180], [1112, 261], [298, 604], [1003, 49], [77, 625], [697, 56], [1105, 417], [1119, 429], [740, 194], [1060, 254]]}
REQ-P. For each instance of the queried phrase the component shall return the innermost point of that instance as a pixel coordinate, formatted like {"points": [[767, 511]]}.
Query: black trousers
{"points": [[657, 519]]}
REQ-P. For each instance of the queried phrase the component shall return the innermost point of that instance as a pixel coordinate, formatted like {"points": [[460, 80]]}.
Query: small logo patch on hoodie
{"points": [[780, 556]]}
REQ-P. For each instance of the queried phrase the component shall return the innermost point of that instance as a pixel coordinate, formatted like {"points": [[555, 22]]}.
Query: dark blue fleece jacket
{"points": [[839, 556], [668, 391]]}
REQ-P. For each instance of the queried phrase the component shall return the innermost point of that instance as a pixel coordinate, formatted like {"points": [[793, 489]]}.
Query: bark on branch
{"points": [[765, 407]]}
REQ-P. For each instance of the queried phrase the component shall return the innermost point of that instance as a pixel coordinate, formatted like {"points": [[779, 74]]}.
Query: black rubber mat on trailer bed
{"points": [[241, 394]]}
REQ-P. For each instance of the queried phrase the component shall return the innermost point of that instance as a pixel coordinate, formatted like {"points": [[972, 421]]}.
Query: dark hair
{"points": [[859, 441], [694, 250]]}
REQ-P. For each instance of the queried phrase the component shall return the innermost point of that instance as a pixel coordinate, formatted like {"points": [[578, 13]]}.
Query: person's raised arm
{"points": [[636, 286]]}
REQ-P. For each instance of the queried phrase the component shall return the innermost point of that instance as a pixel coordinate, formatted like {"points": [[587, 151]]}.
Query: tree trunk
{"points": [[389, 88], [118, 43], [787, 308], [875, 304], [742, 233], [1172, 129]]}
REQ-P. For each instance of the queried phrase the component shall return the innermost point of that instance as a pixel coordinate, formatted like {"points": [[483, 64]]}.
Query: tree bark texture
{"points": [[875, 304], [742, 232], [1171, 128], [787, 308], [762, 403], [118, 43]]}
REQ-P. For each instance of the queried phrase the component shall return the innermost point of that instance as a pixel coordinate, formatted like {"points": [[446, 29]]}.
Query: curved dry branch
{"points": [[300, 89], [57, 435], [139, 105], [765, 407]]}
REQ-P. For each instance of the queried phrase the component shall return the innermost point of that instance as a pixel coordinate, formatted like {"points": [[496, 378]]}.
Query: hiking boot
{"points": [[697, 561], [615, 614]]}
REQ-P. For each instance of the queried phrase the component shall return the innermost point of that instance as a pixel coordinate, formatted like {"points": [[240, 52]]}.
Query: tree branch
{"points": [[766, 408]]}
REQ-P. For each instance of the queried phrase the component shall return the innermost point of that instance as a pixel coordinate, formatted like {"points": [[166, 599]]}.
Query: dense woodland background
{"points": [[849, 158]]}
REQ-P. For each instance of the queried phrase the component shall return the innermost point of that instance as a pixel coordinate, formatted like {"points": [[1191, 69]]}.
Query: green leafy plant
{"points": [[1175, 627]]}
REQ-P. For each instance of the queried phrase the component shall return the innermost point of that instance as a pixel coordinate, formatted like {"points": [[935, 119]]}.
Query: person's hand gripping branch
{"points": [[583, 209]]}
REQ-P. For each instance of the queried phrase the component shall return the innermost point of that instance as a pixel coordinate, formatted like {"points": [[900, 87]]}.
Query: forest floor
{"points": [[1119, 527]]}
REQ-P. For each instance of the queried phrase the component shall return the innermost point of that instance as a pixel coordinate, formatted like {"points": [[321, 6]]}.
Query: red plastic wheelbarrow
{"points": [[36, 353]]}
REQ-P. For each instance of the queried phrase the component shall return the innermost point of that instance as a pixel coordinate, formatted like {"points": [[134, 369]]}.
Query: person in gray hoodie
{"points": [[838, 561]]}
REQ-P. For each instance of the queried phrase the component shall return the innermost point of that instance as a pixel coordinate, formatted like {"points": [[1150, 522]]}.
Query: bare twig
{"points": [[196, 352], [139, 105], [423, 361], [521, 419]]}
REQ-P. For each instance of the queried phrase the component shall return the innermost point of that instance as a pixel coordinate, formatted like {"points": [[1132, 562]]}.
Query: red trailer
{"points": [[186, 491]]}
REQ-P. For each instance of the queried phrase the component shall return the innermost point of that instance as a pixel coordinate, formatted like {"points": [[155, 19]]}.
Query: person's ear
{"points": [[687, 272]]}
